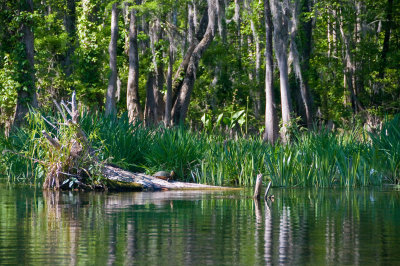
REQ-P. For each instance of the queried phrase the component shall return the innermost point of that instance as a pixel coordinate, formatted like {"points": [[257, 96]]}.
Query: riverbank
{"points": [[318, 158]]}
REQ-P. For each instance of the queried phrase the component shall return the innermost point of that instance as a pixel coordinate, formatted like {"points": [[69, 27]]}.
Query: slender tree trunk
{"points": [[182, 69], [280, 16], [181, 105], [271, 123], [239, 37], [150, 115], [305, 96], [132, 93], [111, 108], [256, 92], [221, 19], [168, 98], [307, 27], [126, 14], [387, 26], [191, 25], [171, 58], [70, 27], [26, 96], [157, 76], [349, 68]]}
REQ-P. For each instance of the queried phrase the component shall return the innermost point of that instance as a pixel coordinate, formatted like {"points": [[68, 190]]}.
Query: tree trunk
{"points": [[191, 25], [150, 115], [280, 20], [221, 19], [181, 105], [257, 59], [182, 69], [271, 124], [349, 68], [171, 58], [111, 108], [385, 49], [155, 108], [132, 93], [70, 27], [305, 96], [26, 96], [168, 98]]}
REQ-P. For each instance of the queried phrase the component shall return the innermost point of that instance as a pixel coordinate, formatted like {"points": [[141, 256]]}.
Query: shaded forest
{"points": [[238, 66]]}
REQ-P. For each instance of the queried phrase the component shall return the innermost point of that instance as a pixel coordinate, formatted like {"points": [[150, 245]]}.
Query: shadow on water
{"points": [[193, 227]]}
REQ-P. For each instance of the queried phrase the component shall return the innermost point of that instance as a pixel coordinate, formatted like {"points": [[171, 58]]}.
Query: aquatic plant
{"points": [[319, 158]]}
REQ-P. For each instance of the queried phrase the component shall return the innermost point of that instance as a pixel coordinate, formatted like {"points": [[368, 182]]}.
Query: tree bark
{"points": [[26, 96], [150, 114], [181, 105], [132, 93], [385, 49], [155, 106], [349, 68], [271, 123], [168, 98], [182, 69], [298, 70], [70, 27], [111, 108], [171, 59], [221, 19], [280, 20], [256, 91]]}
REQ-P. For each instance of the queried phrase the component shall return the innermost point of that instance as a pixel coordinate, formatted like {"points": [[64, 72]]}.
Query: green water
{"points": [[315, 227]]}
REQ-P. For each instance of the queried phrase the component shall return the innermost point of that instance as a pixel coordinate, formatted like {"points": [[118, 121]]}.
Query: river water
{"points": [[313, 227]]}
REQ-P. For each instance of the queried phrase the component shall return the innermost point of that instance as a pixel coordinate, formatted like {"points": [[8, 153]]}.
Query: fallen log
{"points": [[119, 179], [72, 164]]}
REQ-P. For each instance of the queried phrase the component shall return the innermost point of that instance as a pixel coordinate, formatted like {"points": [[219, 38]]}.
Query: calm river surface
{"points": [[357, 227]]}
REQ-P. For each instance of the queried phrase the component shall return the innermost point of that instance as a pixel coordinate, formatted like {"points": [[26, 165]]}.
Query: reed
{"points": [[316, 158]]}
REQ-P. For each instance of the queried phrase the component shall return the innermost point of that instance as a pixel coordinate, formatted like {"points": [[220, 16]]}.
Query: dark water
{"points": [[318, 227]]}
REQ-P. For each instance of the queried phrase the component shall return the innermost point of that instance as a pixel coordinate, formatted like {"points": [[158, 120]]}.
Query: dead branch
{"points": [[53, 142]]}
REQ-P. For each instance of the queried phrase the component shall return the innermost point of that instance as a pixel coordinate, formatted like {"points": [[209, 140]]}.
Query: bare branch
{"points": [[61, 111], [52, 141]]}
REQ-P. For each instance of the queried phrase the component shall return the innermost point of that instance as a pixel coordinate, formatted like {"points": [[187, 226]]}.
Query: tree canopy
{"points": [[204, 62]]}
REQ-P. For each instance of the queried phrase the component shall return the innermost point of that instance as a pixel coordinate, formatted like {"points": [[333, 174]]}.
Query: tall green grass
{"points": [[316, 158]]}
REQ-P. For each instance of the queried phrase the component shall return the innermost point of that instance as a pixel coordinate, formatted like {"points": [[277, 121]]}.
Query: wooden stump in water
{"points": [[257, 189]]}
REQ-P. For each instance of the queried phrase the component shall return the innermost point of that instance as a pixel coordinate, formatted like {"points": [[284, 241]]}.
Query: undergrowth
{"points": [[317, 158]]}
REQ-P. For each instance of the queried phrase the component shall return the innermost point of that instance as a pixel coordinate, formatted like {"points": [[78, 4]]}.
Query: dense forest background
{"points": [[241, 65]]}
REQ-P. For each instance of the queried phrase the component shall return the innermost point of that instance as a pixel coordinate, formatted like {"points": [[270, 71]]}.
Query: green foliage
{"points": [[386, 145], [8, 92], [319, 159]]}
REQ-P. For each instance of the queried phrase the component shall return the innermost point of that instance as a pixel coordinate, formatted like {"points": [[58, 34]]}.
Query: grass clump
{"points": [[312, 158]]}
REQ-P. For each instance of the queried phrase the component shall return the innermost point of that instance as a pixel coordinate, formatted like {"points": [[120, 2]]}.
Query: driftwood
{"points": [[77, 156], [267, 190], [257, 188], [119, 179]]}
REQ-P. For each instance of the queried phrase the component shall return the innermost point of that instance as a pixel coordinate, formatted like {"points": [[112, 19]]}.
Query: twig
{"points": [[48, 122], [66, 108], [74, 108], [61, 111], [52, 141], [266, 191]]}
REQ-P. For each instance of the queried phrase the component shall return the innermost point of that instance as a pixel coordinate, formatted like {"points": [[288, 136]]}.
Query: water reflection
{"points": [[180, 228]]}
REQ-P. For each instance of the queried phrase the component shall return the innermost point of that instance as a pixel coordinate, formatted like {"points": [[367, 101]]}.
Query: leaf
{"points": [[203, 119], [242, 120], [238, 114], [219, 119]]}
